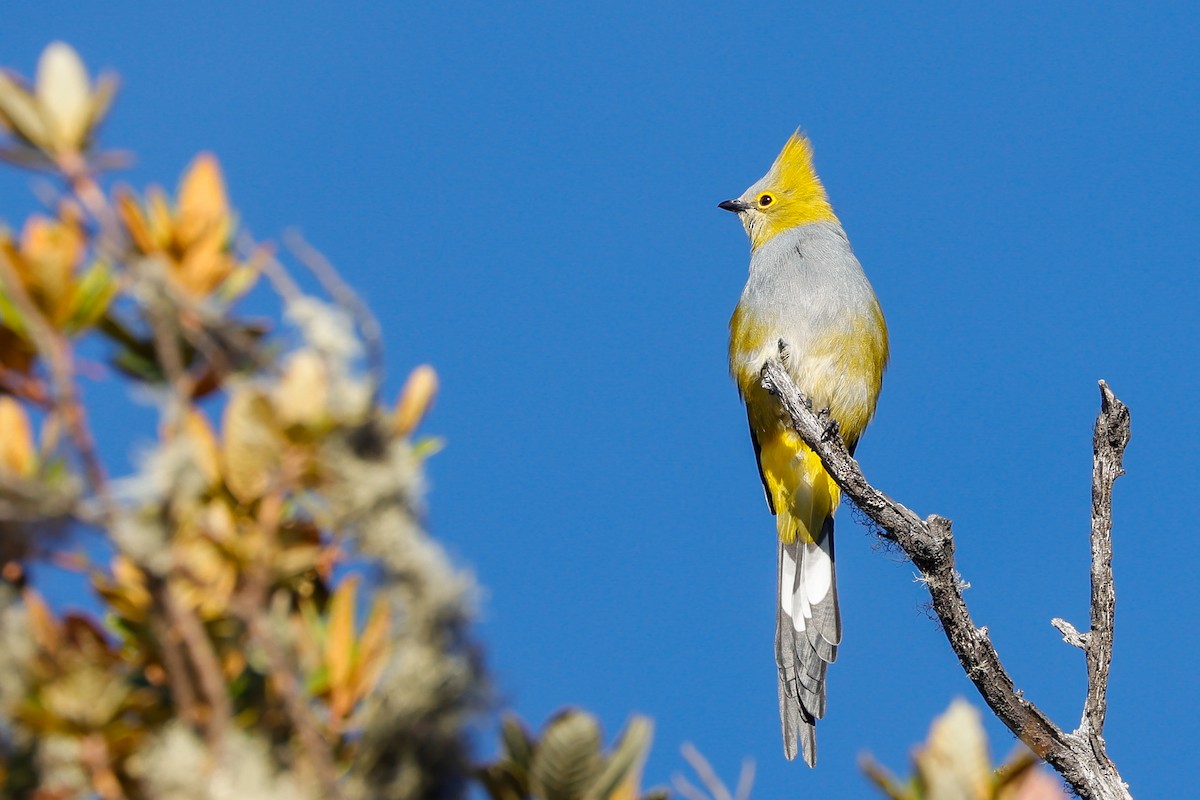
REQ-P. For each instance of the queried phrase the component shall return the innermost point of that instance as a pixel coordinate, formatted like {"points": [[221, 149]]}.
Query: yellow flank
{"points": [[793, 195], [745, 336], [803, 493], [857, 350]]}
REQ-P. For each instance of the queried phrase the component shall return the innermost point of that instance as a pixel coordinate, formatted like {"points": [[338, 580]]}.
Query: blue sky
{"points": [[527, 197]]}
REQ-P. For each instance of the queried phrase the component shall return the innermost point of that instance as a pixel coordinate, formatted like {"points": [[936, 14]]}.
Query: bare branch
{"points": [[179, 682], [1070, 635], [1081, 761], [1108, 447], [206, 665]]}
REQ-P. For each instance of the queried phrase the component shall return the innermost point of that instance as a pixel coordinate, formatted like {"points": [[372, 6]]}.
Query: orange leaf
{"points": [[339, 647], [16, 439], [158, 211], [202, 201], [203, 266], [50, 250], [373, 648], [134, 220]]}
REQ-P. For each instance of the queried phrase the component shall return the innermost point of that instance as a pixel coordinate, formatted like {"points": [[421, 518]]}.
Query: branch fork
{"points": [[1079, 757]]}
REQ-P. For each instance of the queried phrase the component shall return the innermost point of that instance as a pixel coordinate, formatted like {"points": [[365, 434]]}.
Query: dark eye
{"points": [[765, 200]]}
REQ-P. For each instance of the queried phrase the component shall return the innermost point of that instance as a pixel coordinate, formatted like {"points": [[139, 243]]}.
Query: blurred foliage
{"points": [[274, 620], [954, 764], [568, 762]]}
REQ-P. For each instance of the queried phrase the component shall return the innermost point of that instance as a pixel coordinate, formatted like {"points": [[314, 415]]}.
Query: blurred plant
{"points": [[954, 764], [567, 762], [717, 790], [231, 657], [56, 118]]}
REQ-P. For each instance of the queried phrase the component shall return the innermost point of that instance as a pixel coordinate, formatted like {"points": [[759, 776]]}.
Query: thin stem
{"points": [[207, 667], [316, 749]]}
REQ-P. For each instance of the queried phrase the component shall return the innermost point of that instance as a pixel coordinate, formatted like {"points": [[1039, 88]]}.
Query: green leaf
{"points": [[97, 287], [10, 317], [629, 753], [501, 783], [518, 744], [138, 365], [568, 757]]}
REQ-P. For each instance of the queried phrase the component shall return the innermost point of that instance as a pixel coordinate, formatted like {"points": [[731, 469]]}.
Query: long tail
{"points": [[808, 630], [808, 625]]}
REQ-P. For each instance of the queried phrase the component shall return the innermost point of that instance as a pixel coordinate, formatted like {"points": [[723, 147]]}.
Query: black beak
{"points": [[736, 206]]}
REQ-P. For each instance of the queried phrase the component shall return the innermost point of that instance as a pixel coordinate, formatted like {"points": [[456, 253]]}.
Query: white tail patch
{"points": [[794, 598], [801, 610], [816, 576], [787, 583]]}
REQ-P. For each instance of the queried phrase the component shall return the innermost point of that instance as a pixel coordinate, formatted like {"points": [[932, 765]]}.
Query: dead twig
{"points": [[1079, 757]]}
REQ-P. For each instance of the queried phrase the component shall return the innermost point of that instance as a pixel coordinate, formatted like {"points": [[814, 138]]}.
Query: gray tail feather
{"points": [[799, 728], [802, 658]]}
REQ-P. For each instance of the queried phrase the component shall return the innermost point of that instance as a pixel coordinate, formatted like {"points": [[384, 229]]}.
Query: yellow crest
{"points": [[788, 196], [793, 167]]}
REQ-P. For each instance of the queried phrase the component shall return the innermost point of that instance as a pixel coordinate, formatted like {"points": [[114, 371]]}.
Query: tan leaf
{"points": [[205, 450], [126, 593], [302, 394], [20, 111], [218, 523], [102, 97], [16, 439], [954, 763], [251, 445], [43, 628], [1035, 784], [415, 399], [63, 93], [210, 577]]}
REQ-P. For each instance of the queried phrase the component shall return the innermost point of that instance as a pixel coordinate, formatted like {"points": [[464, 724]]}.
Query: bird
{"points": [[808, 305]]}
